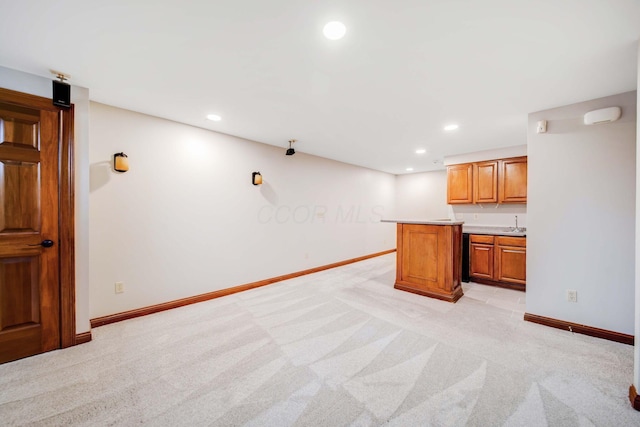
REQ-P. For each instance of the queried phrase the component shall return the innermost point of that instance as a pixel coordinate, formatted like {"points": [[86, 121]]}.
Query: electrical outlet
{"points": [[119, 287], [475, 216], [572, 295]]}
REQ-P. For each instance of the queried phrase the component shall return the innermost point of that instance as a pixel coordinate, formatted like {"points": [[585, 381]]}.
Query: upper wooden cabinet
{"points": [[513, 182], [485, 182], [493, 181], [460, 183]]}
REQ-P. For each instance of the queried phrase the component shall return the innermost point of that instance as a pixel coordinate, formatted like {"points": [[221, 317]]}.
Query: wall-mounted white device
{"points": [[604, 115], [542, 127]]}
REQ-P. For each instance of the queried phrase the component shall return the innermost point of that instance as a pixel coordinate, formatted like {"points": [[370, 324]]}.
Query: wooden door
{"points": [[30, 137], [485, 182], [512, 181], [512, 264], [511, 260], [481, 260], [460, 184]]}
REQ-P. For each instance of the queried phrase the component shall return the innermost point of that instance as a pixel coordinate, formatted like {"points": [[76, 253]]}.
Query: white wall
{"points": [[186, 220], [581, 215], [490, 214], [422, 195], [479, 156], [41, 86]]}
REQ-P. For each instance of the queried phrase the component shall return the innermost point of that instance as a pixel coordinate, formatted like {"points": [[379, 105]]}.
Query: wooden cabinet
{"points": [[481, 257], [498, 260], [513, 180], [485, 182], [493, 181], [429, 260], [460, 184], [511, 260]]}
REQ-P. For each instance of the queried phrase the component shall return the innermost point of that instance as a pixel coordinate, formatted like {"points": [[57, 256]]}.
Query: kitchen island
{"points": [[429, 258]]}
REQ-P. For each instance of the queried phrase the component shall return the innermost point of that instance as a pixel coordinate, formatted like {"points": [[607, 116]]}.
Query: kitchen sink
{"points": [[514, 230]]}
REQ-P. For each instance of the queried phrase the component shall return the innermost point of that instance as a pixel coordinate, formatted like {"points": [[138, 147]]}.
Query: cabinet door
{"points": [[512, 180], [481, 260], [511, 264], [485, 182], [424, 255], [460, 184]]}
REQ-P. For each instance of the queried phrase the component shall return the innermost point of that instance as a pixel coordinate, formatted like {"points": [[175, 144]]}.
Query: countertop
{"points": [[470, 229], [495, 230], [424, 221]]}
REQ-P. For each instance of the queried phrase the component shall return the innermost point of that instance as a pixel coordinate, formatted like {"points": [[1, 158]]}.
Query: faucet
{"points": [[518, 229]]}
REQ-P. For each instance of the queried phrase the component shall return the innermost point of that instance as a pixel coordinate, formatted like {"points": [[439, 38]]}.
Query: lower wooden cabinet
{"points": [[481, 257], [498, 260], [511, 259]]}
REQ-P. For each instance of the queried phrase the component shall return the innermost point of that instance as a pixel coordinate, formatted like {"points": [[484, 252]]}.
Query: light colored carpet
{"points": [[337, 348]]}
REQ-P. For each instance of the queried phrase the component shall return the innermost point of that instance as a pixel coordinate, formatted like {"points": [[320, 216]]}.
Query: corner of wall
{"points": [[636, 356], [580, 178]]}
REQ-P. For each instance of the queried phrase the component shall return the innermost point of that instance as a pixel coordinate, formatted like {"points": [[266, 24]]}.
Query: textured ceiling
{"points": [[404, 69]]}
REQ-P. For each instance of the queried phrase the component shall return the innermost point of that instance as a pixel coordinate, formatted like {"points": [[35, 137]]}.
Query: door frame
{"points": [[66, 210]]}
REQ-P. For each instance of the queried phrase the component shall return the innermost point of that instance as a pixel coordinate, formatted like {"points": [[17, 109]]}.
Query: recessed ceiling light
{"points": [[452, 126], [421, 151], [334, 30], [409, 169], [214, 117]]}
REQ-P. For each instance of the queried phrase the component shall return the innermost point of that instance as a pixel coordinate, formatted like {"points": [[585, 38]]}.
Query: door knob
{"points": [[45, 243]]}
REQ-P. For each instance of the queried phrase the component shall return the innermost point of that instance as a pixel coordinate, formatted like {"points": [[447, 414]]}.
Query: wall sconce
{"points": [[256, 178], [120, 162]]}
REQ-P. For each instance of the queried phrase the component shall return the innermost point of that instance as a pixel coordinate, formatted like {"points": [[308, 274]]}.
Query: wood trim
{"points": [[408, 287], [117, 317], [580, 329], [82, 338], [67, 232], [399, 234], [28, 100], [634, 398]]}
